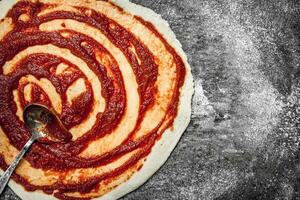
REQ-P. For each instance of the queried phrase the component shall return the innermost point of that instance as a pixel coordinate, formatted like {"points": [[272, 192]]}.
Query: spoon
{"points": [[39, 119]]}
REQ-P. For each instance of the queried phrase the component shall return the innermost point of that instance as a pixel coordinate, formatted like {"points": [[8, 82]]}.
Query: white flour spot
{"points": [[254, 104]]}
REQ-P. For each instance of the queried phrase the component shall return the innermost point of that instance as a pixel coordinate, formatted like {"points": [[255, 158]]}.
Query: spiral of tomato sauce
{"points": [[65, 156]]}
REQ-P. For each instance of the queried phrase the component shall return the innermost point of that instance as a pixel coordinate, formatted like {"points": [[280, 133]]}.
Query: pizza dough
{"points": [[120, 84]]}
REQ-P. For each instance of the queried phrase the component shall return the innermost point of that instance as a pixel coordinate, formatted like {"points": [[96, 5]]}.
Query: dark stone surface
{"points": [[243, 139]]}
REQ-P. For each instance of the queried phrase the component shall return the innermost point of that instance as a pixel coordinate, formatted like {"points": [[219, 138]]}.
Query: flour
{"points": [[242, 89]]}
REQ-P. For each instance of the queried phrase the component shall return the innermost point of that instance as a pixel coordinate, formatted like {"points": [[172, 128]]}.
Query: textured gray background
{"points": [[243, 139]]}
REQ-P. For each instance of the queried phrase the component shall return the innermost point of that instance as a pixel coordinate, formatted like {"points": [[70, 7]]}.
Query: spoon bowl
{"points": [[44, 123]]}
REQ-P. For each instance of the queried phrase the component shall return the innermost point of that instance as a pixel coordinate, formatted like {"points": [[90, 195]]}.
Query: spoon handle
{"points": [[6, 175]]}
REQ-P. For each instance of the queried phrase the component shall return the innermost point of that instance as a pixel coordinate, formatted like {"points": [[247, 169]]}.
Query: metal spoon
{"points": [[36, 117]]}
